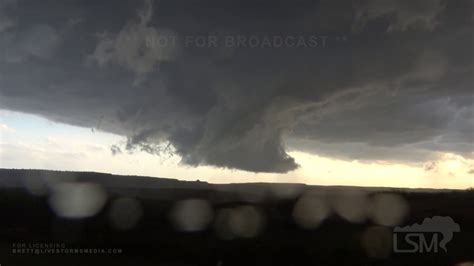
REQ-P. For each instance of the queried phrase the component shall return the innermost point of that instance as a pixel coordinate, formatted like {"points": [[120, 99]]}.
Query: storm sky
{"points": [[241, 84]]}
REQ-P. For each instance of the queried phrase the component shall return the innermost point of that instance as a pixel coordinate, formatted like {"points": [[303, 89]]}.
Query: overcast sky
{"points": [[245, 90]]}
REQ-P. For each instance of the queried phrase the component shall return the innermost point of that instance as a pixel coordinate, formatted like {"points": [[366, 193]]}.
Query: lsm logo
{"points": [[429, 236]]}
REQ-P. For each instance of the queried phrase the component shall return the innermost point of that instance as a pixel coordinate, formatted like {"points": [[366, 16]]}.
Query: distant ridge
{"points": [[18, 177]]}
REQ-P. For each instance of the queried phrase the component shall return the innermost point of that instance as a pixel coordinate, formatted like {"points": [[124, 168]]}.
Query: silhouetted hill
{"points": [[133, 220]]}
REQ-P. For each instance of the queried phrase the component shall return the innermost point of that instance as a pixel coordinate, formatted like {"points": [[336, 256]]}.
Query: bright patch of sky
{"points": [[32, 142]]}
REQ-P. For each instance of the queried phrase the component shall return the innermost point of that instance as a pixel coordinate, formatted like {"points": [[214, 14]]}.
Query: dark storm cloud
{"points": [[5, 21], [354, 79]]}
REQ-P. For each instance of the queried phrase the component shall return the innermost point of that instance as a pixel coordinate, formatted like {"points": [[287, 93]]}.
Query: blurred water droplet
{"points": [[310, 210], [287, 191], [466, 263], [246, 221], [191, 215], [352, 206], [125, 213], [77, 200], [388, 209]]}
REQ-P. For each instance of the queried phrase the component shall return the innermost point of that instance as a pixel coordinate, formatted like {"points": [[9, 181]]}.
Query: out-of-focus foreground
{"points": [[58, 218]]}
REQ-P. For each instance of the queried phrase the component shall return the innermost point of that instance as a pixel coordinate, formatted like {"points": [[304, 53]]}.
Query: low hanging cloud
{"points": [[236, 84]]}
